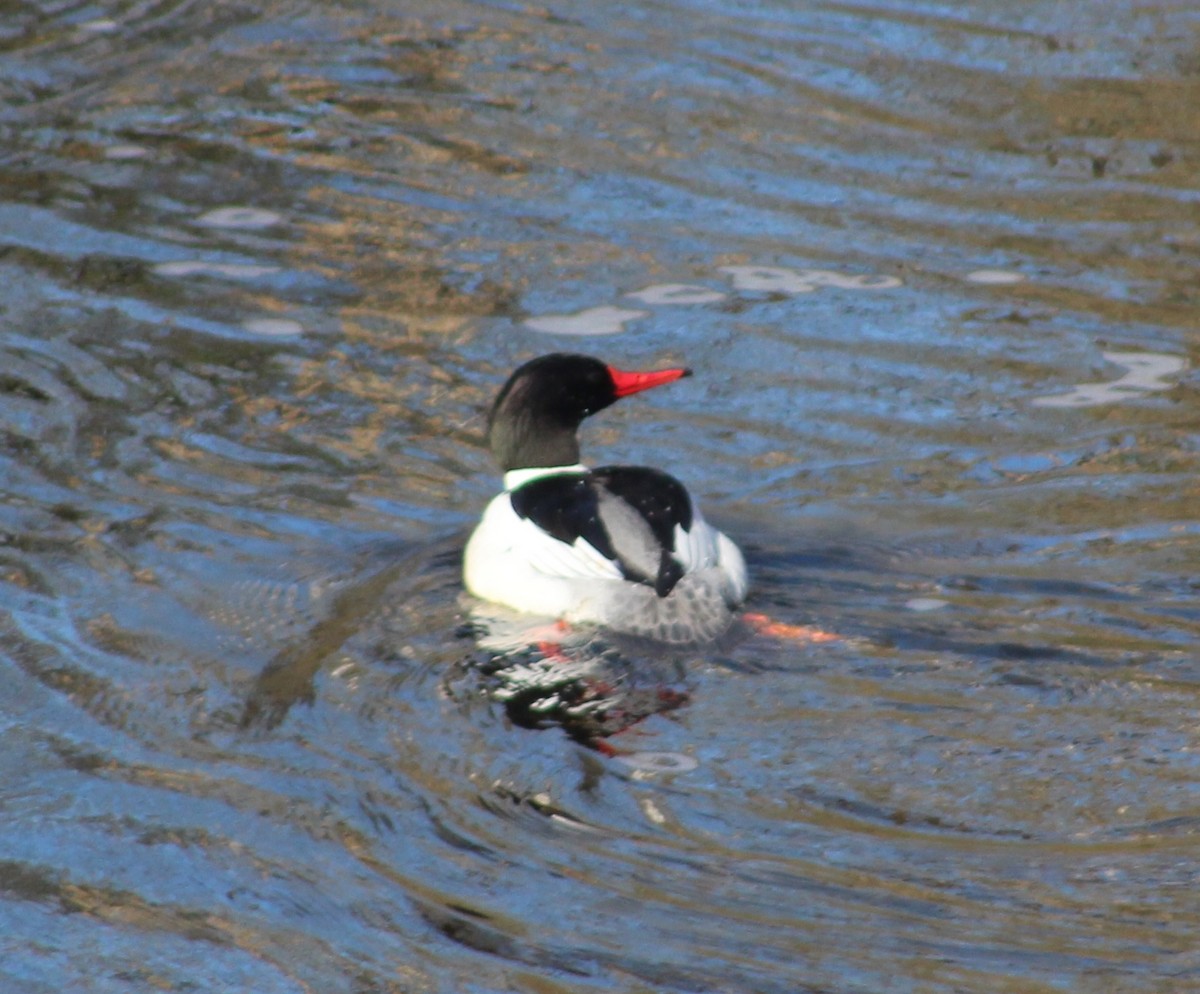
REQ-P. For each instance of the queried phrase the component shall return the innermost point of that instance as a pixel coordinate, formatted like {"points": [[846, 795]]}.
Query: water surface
{"points": [[934, 266]]}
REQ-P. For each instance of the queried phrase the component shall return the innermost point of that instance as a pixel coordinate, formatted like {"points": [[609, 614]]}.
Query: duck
{"points": [[621, 547]]}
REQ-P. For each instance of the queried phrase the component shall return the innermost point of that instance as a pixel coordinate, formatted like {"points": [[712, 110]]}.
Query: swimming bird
{"points": [[624, 547]]}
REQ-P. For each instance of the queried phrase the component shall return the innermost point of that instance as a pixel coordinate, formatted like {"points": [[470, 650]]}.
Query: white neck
{"points": [[519, 477]]}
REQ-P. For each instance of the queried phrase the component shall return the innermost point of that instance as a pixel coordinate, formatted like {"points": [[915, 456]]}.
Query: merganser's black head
{"points": [[535, 420]]}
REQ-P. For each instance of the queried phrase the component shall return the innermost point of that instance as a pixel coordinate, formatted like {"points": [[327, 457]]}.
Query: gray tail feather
{"points": [[698, 609]]}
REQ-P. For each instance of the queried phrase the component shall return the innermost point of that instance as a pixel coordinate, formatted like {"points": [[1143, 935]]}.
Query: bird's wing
{"points": [[598, 530]]}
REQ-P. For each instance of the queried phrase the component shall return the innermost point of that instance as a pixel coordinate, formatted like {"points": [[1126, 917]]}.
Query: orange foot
{"points": [[547, 638], [764, 625]]}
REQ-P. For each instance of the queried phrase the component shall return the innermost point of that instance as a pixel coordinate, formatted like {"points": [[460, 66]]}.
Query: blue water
{"points": [[263, 270]]}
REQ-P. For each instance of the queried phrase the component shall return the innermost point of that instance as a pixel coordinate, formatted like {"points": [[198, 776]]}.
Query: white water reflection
{"points": [[238, 217], [274, 327], [994, 277], [606, 320], [926, 604], [121, 153], [196, 267], [779, 279], [677, 293], [611, 320], [1147, 372], [645, 763], [101, 25]]}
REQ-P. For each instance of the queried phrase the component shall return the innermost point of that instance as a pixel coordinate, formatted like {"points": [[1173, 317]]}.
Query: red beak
{"points": [[626, 383]]}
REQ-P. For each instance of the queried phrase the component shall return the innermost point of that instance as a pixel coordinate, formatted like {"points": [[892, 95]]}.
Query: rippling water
{"points": [[935, 268]]}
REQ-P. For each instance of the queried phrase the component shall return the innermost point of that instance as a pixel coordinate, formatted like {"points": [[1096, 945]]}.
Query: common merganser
{"points": [[624, 547]]}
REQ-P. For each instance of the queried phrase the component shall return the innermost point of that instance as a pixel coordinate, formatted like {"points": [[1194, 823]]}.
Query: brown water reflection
{"points": [[263, 269]]}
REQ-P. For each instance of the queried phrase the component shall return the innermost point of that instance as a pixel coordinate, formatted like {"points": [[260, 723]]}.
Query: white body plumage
{"points": [[512, 560]]}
